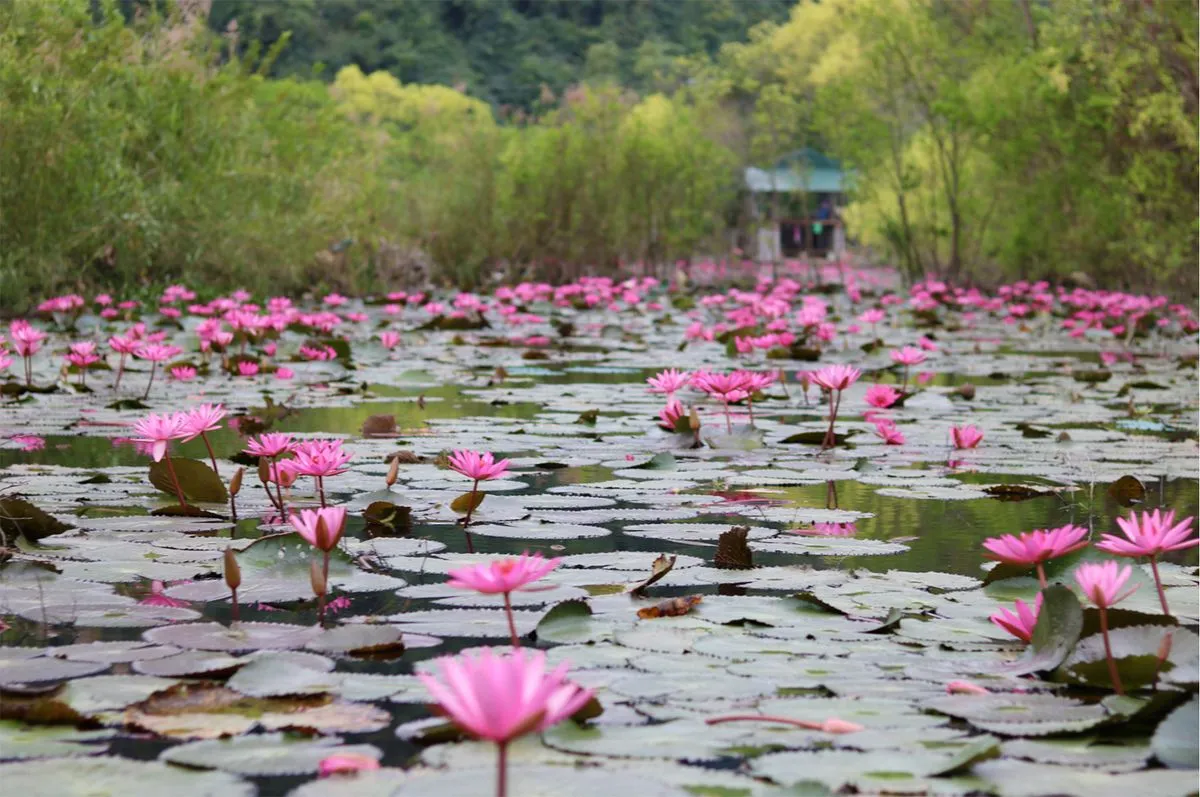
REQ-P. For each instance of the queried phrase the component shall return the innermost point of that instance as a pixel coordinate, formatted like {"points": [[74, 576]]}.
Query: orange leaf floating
{"points": [[671, 607]]}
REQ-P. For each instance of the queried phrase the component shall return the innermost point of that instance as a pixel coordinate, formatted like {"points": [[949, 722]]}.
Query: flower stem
{"points": [[728, 424], [321, 489], [174, 478], [471, 506], [1162, 596], [120, 372], [278, 488], [211, 456], [153, 365], [234, 615], [502, 769], [1041, 571], [512, 625], [813, 726], [1113, 675]]}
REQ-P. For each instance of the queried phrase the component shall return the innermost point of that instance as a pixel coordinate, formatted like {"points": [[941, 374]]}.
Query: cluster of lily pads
{"points": [[693, 609]]}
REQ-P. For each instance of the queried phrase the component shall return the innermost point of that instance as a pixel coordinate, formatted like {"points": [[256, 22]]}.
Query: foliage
{"points": [[1036, 139]]}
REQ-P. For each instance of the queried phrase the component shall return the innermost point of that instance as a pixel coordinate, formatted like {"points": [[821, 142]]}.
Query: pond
{"points": [[726, 586]]}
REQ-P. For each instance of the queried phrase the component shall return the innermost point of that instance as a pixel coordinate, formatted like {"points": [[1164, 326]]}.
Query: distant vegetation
{"points": [[987, 140]]}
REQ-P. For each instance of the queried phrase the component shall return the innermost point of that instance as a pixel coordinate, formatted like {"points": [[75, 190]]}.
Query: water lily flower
{"points": [[882, 396], [835, 379], [1035, 548], [247, 368], [322, 528], [1103, 584], [726, 388], [502, 577], [965, 437], [345, 764], [886, 430], [270, 445], [669, 381], [478, 466], [156, 432], [503, 697], [389, 338], [155, 353], [183, 373], [1151, 534], [670, 415], [320, 459], [965, 688], [1019, 623]]}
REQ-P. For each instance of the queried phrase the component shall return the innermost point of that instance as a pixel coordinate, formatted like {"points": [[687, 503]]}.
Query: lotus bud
{"points": [[1164, 647], [235, 484], [393, 471], [233, 573], [694, 419], [317, 577], [967, 391], [264, 470], [835, 725]]}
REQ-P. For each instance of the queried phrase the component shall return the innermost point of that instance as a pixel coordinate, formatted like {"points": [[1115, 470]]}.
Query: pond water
{"points": [[862, 593]]}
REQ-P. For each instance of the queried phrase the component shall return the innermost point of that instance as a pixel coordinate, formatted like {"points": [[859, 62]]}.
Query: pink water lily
{"points": [[882, 396], [1020, 622], [479, 466], [322, 528], [670, 415], [1103, 585], [503, 577], [835, 379], [669, 381], [964, 437], [503, 697], [1151, 534], [1035, 548]]}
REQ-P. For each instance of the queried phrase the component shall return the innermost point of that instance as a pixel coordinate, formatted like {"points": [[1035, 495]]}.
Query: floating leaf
{"points": [[237, 637], [732, 551], [1176, 743], [661, 566], [196, 480], [21, 518], [93, 777], [467, 502], [261, 756], [1127, 491]]}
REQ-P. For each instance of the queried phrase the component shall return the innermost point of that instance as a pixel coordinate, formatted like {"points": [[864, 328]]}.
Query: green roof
{"points": [[802, 170]]}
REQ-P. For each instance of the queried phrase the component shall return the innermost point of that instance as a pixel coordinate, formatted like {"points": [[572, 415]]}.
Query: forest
{"points": [[251, 144]]}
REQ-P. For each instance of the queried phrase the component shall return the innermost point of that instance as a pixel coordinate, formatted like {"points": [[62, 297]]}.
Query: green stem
{"points": [[1162, 596], [153, 365], [512, 625], [502, 769]]}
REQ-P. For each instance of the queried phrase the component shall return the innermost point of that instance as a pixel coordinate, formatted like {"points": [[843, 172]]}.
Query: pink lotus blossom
{"points": [[670, 415], [965, 437], [872, 316], [882, 396], [26, 338], [1102, 583], [1035, 548], [157, 597], [29, 442], [157, 431], [156, 352], [503, 575], [908, 355], [965, 688], [270, 445], [1019, 623], [478, 466], [669, 381], [183, 373], [284, 373], [835, 377], [318, 353], [323, 528], [200, 419], [1150, 534], [345, 763], [389, 338], [502, 697], [320, 458], [927, 344], [887, 431], [247, 368]]}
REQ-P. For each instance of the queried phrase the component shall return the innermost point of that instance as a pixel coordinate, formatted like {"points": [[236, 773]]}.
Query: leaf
{"points": [[1176, 743], [661, 566], [105, 775], [379, 426], [467, 502], [261, 756], [1092, 377], [21, 518], [1135, 650], [196, 480], [588, 417], [663, 460], [569, 621], [981, 748], [1058, 627], [1127, 491], [816, 438], [732, 551], [387, 519], [1016, 492], [670, 607], [128, 404]]}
